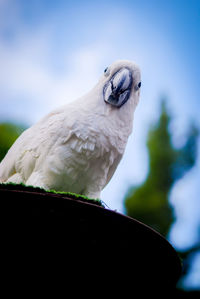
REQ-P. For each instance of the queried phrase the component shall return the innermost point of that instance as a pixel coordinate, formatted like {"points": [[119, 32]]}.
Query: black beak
{"points": [[118, 88]]}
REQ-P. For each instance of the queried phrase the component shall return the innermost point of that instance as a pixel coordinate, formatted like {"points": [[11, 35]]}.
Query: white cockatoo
{"points": [[78, 147]]}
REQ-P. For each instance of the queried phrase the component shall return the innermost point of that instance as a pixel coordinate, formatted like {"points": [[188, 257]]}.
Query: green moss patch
{"points": [[23, 187]]}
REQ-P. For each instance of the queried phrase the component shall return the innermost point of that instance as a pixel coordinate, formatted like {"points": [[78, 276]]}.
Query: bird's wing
{"points": [[34, 143]]}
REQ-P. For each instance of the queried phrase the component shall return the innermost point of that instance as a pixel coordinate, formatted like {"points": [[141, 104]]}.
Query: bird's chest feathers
{"points": [[91, 152], [97, 137]]}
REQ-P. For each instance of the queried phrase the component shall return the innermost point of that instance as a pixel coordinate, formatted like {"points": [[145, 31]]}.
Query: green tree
{"points": [[149, 201], [8, 134]]}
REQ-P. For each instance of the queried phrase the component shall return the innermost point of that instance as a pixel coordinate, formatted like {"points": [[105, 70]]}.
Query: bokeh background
{"points": [[52, 52]]}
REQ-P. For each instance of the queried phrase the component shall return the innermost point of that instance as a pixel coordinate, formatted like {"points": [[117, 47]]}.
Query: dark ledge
{"points": [[49, 234]]}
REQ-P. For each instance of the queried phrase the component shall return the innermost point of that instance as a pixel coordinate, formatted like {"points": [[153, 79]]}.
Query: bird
{"points": [[77, 147]]}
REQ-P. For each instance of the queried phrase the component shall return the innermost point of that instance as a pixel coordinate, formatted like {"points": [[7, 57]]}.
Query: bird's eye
{"points": [[106, 72], [139, 84]]}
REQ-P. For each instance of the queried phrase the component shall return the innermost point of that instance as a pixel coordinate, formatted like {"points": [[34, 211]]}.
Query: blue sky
{"points": [[51, 52]]}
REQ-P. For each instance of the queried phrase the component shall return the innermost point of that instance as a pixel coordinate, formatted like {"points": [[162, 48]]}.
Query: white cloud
{"points": [[27, 75], [26, 72]]}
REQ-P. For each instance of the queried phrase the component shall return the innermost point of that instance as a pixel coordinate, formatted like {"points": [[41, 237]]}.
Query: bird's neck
{"points": [[120, 118]]}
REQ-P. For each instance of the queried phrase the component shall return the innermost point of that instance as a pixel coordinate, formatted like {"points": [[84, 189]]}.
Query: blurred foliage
{"points": [[149, 202], [8, 134]]}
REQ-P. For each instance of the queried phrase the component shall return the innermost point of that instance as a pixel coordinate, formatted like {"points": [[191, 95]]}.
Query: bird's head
{"points": [[121, 83]]}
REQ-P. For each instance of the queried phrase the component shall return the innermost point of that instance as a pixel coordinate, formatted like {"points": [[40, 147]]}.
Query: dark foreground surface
{"points": [[52, 243]]}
